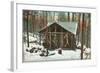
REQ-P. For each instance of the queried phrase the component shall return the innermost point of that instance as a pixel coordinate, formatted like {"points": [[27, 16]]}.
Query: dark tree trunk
{"points": [[79, 18], [82, 41], [73, 19], [68, 16], [27, 31]]}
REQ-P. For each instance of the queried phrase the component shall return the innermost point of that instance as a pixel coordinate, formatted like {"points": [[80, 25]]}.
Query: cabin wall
{"points": [[64, 40]]}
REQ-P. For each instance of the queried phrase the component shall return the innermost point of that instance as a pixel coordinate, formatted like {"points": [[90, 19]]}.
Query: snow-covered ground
{"points": [[66, 55]]}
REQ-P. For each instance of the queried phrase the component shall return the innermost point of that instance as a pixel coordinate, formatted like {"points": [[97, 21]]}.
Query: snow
{"points": [[66, 55], [32, 37], [78, 44], [87, 53]]}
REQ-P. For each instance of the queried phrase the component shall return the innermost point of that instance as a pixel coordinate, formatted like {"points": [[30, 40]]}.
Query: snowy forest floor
{"points": [[66, 55]]}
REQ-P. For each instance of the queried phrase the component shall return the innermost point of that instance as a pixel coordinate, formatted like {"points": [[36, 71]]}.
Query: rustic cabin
{"points": [[59, 35]]}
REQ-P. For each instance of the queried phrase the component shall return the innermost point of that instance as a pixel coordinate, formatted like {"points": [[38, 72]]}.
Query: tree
{"points": [[68, 16], [82, 41], [27, 29]]}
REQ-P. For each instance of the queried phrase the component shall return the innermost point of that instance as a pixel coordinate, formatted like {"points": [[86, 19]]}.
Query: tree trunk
{"points": [[82, 41], [68, 16], [79, 18], [73, 18], [27, 31]]}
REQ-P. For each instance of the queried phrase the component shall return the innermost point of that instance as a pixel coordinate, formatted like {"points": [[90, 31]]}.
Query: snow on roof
{"points": [[70, 26]]}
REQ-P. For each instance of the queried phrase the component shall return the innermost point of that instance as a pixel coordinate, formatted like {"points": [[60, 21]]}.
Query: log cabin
{"points": [[59, 35]]}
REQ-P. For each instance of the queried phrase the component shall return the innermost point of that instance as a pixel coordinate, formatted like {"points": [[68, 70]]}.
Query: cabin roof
{"points": [[70, 26]]}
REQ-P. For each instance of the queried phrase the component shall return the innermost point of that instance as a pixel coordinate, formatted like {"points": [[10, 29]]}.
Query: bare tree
{"points": [[82, 41], [68, 16], [27, 30]]}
